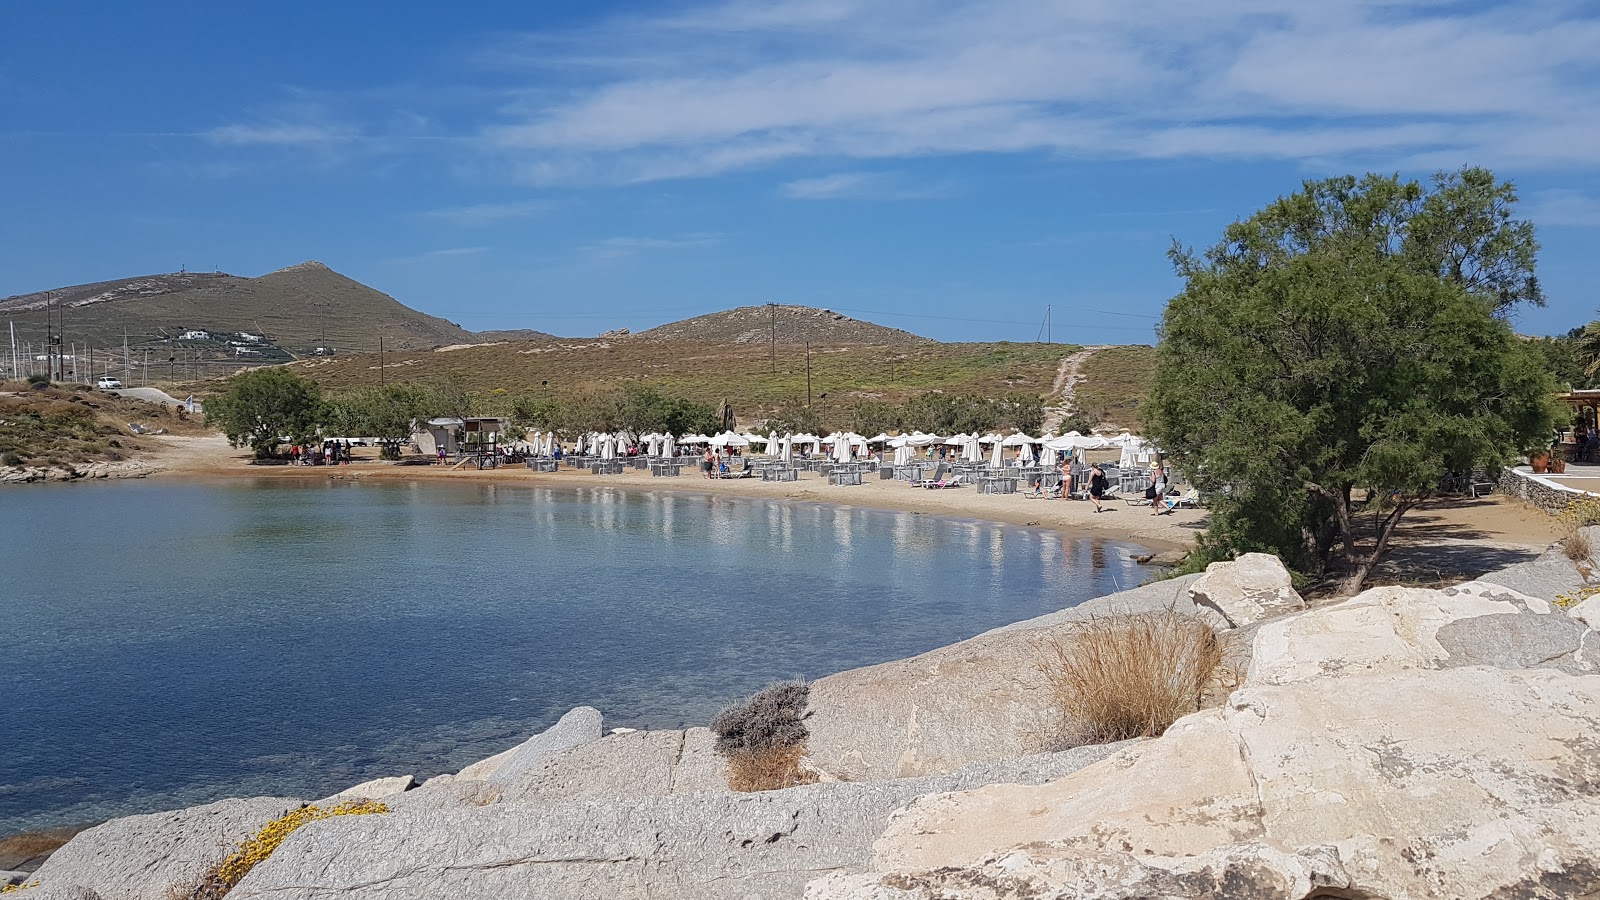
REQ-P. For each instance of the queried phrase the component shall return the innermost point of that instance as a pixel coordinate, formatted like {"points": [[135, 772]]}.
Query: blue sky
{"points": [[944, 167]]}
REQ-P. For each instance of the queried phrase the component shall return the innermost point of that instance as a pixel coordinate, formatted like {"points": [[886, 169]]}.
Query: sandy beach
{"points": [[1445, 538]]}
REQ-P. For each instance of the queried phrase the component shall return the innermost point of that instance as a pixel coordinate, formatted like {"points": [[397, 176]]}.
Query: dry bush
{"points": [[768, 770], [764, 736], [1576, 545], [1130, 676], [208, 885]]}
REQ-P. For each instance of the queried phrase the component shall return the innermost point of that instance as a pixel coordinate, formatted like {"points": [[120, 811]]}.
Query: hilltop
{"points": [[292, 310], [790, 324]]}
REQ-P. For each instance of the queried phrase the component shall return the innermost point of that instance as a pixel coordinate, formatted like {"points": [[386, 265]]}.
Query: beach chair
{"points": [[953, 481], [938, 475], [1189, 499], [1479, 483]]}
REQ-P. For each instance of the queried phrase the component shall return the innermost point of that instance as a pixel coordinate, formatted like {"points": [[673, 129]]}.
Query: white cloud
{"points": [[827, 187], [457, 251], [280, 134], [745, 84], [621, 247], [490, 213]]}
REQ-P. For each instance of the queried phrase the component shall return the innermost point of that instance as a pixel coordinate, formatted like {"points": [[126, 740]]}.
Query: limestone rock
{"points": [[1372, 752], [636, 764], [139, 857], [1248, 589], [708, 845], [977, 700], [579, 726], [376, 789], [11, 876]]}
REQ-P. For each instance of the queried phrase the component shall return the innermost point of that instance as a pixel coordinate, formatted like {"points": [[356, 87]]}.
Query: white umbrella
{"points": [[1018, 440], [579, 449], [990, 438], [667, 447], [841, 448], [974, 452], [550, 444], [995, 460], [902, 455], [787, 453], [773, 444], [957, 440], [881, 438], [1027, 454], [608, 447]]}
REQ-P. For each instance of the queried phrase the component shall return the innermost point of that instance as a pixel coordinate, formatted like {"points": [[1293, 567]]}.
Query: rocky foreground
{"points": [[1406, 743]]}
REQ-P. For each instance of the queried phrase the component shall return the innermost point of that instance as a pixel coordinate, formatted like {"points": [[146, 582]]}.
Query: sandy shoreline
{"points": [[211, 457]]}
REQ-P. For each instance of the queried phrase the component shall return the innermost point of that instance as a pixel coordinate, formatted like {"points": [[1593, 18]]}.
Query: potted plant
{"points": [[1539, 460], [1558, 461]]}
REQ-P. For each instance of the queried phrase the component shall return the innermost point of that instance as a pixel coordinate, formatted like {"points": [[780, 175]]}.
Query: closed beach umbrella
{"points": [[667, 446], [608, 447], [841, 448], [995, 458], [788, 450], [1027, 453], [902, 455]]}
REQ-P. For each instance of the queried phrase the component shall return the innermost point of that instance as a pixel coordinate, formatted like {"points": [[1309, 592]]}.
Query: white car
{"points": [[109, 384]]}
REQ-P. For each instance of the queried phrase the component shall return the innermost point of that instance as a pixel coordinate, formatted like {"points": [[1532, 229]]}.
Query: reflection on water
{"points": [[276, 638]]}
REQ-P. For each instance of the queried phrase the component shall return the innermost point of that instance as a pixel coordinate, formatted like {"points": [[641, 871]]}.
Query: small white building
{"points": [[454, 434], [195, 336]]}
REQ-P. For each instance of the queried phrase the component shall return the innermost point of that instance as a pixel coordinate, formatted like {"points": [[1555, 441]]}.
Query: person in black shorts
{"points": [[1097, 486]]}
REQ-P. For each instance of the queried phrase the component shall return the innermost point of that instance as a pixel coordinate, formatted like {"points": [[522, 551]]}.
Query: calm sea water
{"points": [[165, 645]]}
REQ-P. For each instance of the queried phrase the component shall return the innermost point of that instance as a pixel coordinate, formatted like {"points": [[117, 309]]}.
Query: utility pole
{"points": [[127, 367], [1047, 339], [380, 360], [808, 374], [774, 307]]}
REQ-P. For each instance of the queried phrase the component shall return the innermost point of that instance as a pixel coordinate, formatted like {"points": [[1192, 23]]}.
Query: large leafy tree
{"points": [[1339, 352], [262, 407]]}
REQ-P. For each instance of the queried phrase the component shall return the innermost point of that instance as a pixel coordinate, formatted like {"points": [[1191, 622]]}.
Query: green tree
{"points": [[388, 412], [1314, 372], [259, 408]]}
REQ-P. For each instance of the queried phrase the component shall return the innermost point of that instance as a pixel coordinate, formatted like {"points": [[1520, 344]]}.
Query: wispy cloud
{"points": [[747, 84], [490, 213], [621, 247], [280, 134], [441, 254], [1564, 207], [827, 187]]}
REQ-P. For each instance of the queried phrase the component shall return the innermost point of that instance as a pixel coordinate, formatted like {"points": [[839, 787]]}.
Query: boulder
{"points": [[140, 857], [1345, 767], [1551, 574], [707, 845], [630, 765], [579, 726], [977, 700], [11, 876], [1251, 588], [376, 789]]}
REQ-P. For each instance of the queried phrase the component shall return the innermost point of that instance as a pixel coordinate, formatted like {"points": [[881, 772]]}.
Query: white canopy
{"points": [[1018, 440], [990, 438], [1072, 440], [729, 439], [957, 440], [880, 439]]}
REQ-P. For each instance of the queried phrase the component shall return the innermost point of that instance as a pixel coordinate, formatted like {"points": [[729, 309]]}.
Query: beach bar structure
{"points": [[455, 435]]}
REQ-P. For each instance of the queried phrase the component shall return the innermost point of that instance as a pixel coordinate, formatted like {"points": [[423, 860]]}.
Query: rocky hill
{"points": [[790, 324], [514, 334], [296, 309]]}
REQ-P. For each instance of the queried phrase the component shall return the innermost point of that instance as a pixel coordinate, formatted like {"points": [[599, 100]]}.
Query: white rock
{"points": [[376, 789], [1246, 590]]}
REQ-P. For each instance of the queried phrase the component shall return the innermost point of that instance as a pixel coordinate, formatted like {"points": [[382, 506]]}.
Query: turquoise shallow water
{"points": [[166, 645]]}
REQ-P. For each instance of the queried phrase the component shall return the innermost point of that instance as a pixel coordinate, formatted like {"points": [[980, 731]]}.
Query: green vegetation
{"points": [[1339, 352], [851, 386], [633, 407], [261, 407], [1116, 383], [62, 426]]}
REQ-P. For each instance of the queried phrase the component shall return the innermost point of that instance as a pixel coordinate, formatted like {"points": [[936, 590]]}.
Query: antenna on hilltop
{"points": [[1044, 330]]}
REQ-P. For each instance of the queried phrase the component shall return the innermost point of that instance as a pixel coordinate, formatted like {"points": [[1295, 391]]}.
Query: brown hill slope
{"points": [[792, 325], [840, 374], [297, 308]]}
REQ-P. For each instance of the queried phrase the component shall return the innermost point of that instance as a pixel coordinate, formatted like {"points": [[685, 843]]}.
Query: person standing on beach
{"points": [[1097, 486], [707, 461], [1066, 478], [1158, 488]]}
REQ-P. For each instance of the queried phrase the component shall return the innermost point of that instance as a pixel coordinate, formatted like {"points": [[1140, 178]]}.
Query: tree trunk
{"points": [[1360, 570]]}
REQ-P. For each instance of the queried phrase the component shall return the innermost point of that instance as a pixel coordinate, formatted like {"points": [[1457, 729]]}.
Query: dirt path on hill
{"points": [[1067, 379]]}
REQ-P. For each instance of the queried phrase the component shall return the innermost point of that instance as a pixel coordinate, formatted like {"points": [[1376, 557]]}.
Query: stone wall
{"points": [[1538, 492]]}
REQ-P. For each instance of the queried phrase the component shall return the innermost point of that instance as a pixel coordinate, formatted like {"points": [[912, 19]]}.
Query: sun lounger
{"points": [[952, 482]]}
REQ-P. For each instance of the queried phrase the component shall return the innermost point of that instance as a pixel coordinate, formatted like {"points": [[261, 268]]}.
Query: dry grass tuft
{"points": [[768, 770], [1576, 545], [764, 736], [1131, 676]]}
